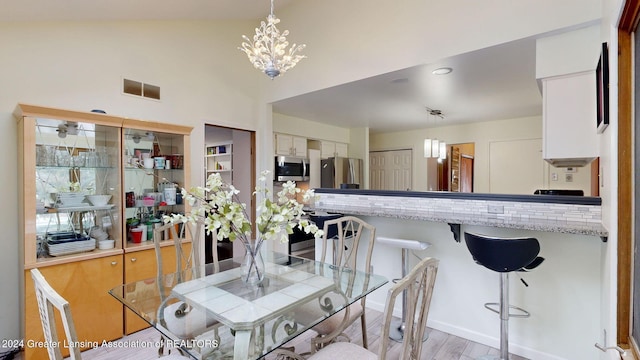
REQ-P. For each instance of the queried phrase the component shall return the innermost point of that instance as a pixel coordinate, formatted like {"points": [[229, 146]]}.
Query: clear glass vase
{"points": [[253, 264]]}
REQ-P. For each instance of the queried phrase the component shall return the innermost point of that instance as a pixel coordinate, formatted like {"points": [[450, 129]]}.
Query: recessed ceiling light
{"points": [[442, 71]]}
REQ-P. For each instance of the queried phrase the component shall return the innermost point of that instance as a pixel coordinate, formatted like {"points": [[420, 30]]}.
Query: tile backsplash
{"points": [[466, 211]]}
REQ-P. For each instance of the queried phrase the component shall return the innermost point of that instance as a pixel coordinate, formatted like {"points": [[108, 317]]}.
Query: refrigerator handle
{"points": [[352, 171], [304, 169]]}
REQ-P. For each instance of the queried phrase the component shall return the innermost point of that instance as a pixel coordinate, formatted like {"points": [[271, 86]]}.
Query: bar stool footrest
{"points": [[522, 312]]}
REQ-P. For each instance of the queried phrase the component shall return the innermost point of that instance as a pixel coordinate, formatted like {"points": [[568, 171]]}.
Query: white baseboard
{"points": [[475, 336]]}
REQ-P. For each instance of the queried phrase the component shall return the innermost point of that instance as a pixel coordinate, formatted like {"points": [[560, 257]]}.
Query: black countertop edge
{"points": [[544, 199]]}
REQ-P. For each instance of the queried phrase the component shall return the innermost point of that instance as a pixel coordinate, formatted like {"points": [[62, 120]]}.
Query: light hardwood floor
{"points": [[439, 345]]}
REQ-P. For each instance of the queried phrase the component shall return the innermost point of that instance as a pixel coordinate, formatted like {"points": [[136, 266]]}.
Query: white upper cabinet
{"points": [[290, 145], [327, 149], [342, 149], [569, 119], [332, 149], [299, 146]]}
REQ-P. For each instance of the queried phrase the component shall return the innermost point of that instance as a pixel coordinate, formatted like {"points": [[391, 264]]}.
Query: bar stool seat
{"points": [[397, 328], [504, 255]]}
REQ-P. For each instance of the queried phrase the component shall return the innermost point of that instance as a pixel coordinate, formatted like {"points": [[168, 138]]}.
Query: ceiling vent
{"points": [[138, 88]]}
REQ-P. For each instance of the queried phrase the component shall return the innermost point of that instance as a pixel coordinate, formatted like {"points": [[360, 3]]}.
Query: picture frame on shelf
{"points": [[602, 90]]}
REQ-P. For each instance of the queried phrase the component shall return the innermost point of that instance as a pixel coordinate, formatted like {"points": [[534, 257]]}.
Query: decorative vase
{"points": [[253, 264]]}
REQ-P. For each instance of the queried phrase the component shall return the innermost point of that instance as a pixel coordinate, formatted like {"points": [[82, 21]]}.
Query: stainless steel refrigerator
{"points": [[340, 172]]}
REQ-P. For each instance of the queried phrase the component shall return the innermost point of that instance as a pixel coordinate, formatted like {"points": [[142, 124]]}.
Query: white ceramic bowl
{"points": [[99, 200], [71, 198], [100, 237], [106, 244]]}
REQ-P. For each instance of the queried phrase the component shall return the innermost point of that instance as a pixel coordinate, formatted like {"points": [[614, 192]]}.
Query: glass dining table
{"points": [[212, 313]]}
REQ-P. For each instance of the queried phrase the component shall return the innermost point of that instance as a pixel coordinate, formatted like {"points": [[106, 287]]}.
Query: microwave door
{"points": [[290, 168]]}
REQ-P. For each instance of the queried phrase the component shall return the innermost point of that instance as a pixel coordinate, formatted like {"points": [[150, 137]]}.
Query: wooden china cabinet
{"points": [[65, 157]]}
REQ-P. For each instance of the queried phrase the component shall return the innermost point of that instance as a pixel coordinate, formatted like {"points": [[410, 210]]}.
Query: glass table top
{"points": [[295, 295]]}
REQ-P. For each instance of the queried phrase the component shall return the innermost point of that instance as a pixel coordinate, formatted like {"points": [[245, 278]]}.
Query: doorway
{"points": [[453, 173], [230, 152]]}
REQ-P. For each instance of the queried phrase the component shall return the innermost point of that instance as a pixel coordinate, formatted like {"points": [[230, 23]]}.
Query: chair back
{"points": [[344, 245], [502, 254], [419, 286], [185, 260], [48, 299]]}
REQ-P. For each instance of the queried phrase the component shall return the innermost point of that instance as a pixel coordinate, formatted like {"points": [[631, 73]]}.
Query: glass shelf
{"points": [[46, 167], [79, 208], [150, 170]]}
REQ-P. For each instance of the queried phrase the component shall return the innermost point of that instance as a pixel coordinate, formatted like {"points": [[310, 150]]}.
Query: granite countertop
{"points": [[561, 214]]}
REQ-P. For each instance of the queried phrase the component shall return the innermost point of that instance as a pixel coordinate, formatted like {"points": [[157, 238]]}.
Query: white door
{"points": [[390, 170], [516, 166]]}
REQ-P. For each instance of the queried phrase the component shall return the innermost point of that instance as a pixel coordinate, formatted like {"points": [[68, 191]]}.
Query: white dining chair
{"points": [[48, 299], [343, 237], [419, 287]]}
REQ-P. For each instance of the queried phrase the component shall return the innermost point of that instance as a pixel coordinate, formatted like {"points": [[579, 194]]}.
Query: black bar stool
{"points": [[504, 255]]}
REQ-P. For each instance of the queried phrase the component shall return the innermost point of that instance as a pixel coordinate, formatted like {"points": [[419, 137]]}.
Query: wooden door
{"points": [[595, 177], [84, 284], [140, 265], [466, 174], [455, 169], [390, 170], [627, 193]]}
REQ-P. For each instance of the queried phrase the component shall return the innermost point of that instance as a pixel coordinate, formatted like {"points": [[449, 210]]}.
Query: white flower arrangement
{"points": [[217, 206]]}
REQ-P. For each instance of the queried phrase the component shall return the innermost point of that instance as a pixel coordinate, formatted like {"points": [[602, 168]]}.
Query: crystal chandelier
{"points": [[268, 50]]}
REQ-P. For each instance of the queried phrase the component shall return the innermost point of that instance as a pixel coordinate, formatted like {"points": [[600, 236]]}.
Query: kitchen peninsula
{"points": [[564, 293], [564, 214]]}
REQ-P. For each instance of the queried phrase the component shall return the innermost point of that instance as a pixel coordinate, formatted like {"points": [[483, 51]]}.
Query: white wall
{"points": [[482, 134], [79, 66], [568, 53], [309, 129]]}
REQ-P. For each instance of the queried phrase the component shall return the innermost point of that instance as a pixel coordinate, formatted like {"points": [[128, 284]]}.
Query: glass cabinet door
{"points": [[153, 177], [77, 187]]}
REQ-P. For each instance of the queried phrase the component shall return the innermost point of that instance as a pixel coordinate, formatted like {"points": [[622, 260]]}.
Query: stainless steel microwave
{"points": [[291, 168]]}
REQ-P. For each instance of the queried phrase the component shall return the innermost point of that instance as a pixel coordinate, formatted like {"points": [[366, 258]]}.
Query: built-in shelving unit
{"points": [[64, 157], [219, 159]]}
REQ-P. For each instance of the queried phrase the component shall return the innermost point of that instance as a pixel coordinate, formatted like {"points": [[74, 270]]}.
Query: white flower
{"points": [[218, 207]]}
